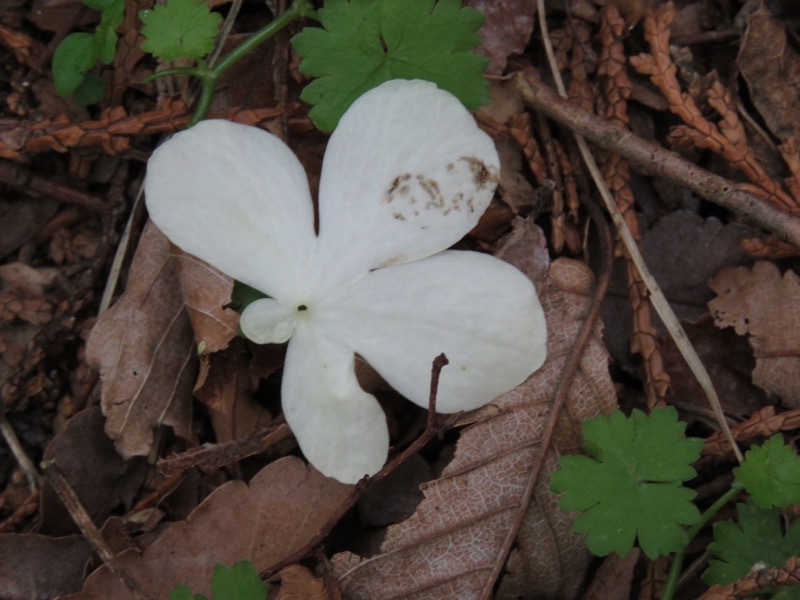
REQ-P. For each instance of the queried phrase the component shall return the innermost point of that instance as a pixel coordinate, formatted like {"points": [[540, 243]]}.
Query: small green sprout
{"points": [[79, 52], [240, 582]]}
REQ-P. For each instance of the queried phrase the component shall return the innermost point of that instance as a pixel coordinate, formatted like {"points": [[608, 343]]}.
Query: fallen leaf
{"points": [[683, 251], [144, 348], [206, 291], [38, 567], [506, 30], [761, 303], [451, 543], [100, 477], [614, 577], [299, 583], [276, 514], [226, 389], [768, 61]]}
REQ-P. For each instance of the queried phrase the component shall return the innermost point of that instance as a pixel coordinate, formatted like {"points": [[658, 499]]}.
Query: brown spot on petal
{"points": [[482, 175]]}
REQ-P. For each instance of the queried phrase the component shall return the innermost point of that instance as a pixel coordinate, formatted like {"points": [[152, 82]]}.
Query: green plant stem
{"points": [[299, 8], [677, 562]]}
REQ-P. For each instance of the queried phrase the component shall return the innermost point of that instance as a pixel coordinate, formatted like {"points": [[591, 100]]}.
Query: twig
{"points": [[19, 453], [212, 456], [22, 179], [658, 161], [367, 482], [84, 522]]}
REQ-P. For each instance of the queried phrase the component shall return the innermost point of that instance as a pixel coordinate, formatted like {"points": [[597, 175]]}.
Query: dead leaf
{"points": [[100, 477], [768, 63], [206, 291], [450, 545], [144, 348], [226, 389], [278, 513], [506, 30], [763, 304], [20, 220], [38, 567], [614, 577], [683, 251], [298, 583]]}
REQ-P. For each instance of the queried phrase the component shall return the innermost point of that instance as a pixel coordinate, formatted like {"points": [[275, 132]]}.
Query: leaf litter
{"points": [[439, 525]]}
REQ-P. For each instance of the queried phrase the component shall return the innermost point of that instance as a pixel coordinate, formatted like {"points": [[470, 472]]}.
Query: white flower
{"points": [[406, 174]]}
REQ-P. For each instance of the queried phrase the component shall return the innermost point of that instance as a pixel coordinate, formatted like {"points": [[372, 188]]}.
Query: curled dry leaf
{"points": [[299, 583], [143, 347], [763, 304], [449, 547], [278, 513]]}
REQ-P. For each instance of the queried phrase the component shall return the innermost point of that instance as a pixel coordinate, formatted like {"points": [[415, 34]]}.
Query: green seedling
{"points": [[240, 582], [631, 485], [79, 53]]}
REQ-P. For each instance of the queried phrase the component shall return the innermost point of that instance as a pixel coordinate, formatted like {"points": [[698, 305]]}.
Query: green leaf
{"points": [[180, 29], [771, 474], [756, 541], [90, 90], [631, 484], [364, 43], [75, 55], [105, 34], [184, 592], [241, 582]]}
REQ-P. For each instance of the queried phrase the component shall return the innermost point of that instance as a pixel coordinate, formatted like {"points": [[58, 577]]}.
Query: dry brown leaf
{"points": [[448, 548], [298, 583], [143, 347], [763, 304], [278, 513], [614, 577], [683, 251], [767, 61], [506, 30], [100, 477], [226, 389], [38, 567], [205, 292]]}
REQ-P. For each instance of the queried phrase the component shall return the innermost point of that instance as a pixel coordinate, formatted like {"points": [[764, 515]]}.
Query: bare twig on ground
{"points": [[25, 463], [656, 160]]}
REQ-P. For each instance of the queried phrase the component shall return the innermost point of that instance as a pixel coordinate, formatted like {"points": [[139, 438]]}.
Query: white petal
{"points": [[267, 321], [407, 173], [480, 311], [340, 428], [236, 197]]}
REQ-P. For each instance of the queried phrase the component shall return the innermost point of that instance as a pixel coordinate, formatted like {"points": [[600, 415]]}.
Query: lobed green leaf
{"points": [[364, 43], [180, 29], [630, 485], [771, 474]]}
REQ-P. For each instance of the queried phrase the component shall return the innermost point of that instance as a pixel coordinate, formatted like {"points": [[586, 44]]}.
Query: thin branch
{"points": [[658, 161]]}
